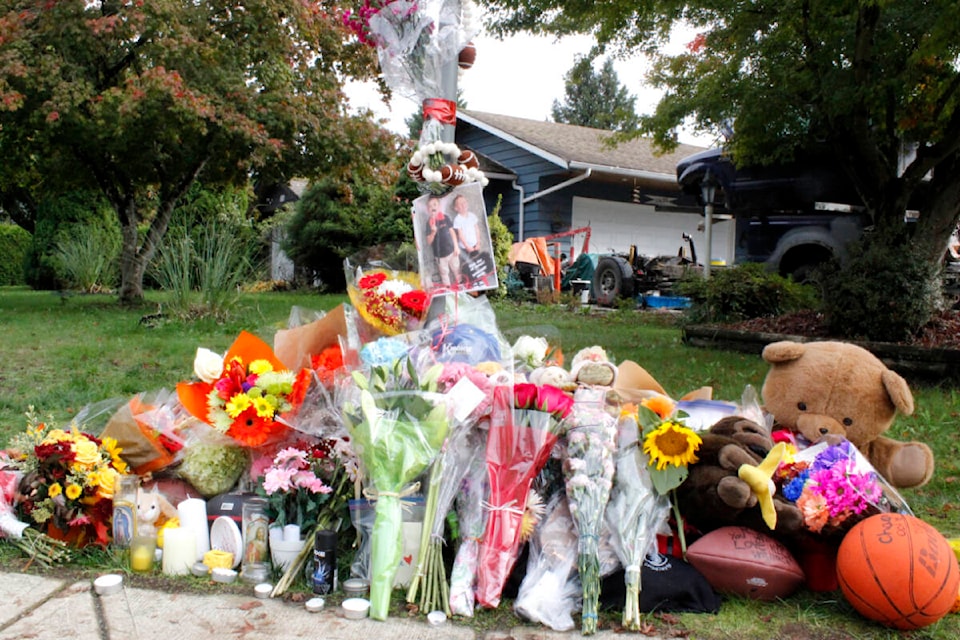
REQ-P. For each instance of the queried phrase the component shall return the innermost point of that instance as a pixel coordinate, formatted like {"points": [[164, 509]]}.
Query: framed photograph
{"points": [[453, 241]]}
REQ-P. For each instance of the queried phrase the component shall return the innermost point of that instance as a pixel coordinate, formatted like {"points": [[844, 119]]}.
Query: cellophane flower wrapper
{"points": [[414, 40], [396, 435], [588, 469], [518, 446], [464, 443], [835, 487], [550, 591], [634, 515], [473, 518], [384, 287], [148, 428]]}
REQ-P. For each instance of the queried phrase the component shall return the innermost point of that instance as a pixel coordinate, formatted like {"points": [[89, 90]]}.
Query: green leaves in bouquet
{"points": [[665, 478]]}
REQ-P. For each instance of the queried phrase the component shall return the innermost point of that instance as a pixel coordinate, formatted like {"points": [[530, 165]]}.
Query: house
{"points": [[556, 177]]}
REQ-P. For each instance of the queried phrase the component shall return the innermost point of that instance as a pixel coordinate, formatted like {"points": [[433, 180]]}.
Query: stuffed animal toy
{"points": [[719, 490], [816, 389], [153, 511]]}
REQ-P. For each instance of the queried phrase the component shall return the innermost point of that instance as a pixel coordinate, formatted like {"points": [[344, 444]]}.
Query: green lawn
{"points": [[60, 354]]}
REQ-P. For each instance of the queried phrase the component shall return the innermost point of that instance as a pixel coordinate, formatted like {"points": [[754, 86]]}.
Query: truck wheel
{"points": [[612, 279]]}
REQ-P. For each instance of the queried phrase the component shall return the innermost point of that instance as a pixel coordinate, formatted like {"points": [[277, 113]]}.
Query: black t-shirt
{"points": [[443, 242]]}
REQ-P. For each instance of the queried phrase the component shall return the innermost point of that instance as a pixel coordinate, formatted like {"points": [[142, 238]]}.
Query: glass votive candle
{"points": [[143, 550]]}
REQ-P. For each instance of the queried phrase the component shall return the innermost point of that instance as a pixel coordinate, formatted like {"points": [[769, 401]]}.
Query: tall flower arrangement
{"points": [[588, 474], [397, 423], [634, 514], [668, 448], [68, 481], [525, 424]]}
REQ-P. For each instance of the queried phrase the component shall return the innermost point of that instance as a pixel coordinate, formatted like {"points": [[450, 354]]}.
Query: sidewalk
{"points": [[42, 608]]}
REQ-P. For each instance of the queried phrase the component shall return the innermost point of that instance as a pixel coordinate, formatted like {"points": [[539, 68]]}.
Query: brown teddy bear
{"points": [[820, 388], [714, 495]]}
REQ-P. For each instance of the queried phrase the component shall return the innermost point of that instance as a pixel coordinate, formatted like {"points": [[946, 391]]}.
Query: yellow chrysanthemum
{"points": [[237, 405], [93, 478], [74, 491], [56, 435], [260, 366], [263, 407], [671, 443], [55, 489]]}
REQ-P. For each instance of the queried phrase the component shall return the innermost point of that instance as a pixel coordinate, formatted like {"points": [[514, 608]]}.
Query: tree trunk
{"points": [[132, 264]]}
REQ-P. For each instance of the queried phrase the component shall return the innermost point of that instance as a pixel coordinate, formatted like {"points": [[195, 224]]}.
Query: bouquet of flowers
{"points": [[835, 487], [470, 514], [634, 514], [390, 301], [525, 424], [68, 480], [39, 547], [243, 394], [668, 447], [588, 473], [397, 423]]}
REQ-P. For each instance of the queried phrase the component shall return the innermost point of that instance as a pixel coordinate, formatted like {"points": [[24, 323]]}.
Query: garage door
{"points": [[614, 226]]}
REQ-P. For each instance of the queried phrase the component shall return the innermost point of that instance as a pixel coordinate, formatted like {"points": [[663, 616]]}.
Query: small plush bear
{"points": [[816, 389], [153, 510], [714, 495]]}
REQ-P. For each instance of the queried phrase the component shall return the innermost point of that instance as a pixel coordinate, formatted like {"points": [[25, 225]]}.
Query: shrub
{"points": [[88, 260], [884, 292], [14, 245], [741, 292], [202, 271], [61, 218]]}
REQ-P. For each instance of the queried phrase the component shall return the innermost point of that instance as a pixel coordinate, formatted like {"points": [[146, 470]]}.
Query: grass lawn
{"points": [[61, 354]]}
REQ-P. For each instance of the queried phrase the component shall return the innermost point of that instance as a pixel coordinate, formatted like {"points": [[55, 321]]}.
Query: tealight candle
{"points": [[179, 551], [142, 553], [193, 517]]}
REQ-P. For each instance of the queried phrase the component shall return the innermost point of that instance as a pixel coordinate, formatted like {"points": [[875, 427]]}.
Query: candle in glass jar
{"points": [[143, 551], [179, 551]]}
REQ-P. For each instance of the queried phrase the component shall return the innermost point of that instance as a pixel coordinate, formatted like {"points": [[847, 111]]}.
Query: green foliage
{"points": [[88, 260], [741, 292], [14, 244], [62, 220], [502, 240], [334, 220], [596, 99], [883, 292], [202, 269], [867, 82], [140, 99]]}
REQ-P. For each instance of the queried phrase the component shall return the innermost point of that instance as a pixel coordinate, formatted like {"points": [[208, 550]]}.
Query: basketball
{"points": [[898, 570]]}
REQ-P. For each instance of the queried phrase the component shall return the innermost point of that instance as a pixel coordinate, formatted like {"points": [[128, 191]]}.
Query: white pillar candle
{"points": [[193, 517], [179, 551], [291, 533]]}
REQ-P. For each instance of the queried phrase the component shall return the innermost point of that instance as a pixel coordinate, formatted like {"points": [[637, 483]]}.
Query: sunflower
{"points": [[672, 443]]}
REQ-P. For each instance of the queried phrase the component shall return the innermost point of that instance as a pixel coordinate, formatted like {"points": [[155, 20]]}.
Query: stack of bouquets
{"points": [[835, 487], [397, 423], [525, 424]]}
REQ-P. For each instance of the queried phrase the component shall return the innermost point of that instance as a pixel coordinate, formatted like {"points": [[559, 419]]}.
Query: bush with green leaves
{"points": [[14, 244], [87, 261], [62, 218], [877, 271], [335, 220], [742, 292], [202, 270]]}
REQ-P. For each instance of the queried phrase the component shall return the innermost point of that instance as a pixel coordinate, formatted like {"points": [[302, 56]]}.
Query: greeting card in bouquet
{"points": [[453, 240]]}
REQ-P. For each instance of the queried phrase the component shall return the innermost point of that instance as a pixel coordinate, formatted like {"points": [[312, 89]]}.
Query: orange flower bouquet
{"points": [[247, 394]]}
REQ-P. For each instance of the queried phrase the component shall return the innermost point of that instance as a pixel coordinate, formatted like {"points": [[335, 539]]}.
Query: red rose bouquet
{"points": [[525, 424]]}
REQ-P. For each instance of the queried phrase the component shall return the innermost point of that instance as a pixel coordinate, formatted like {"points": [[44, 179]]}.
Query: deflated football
{"points": [[747, 563]]}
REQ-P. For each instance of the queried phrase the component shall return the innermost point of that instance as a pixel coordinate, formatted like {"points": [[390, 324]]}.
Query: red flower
{"points": [[555, 401], [326, 363], [414, 302], [525, 395], [372, 281]]}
